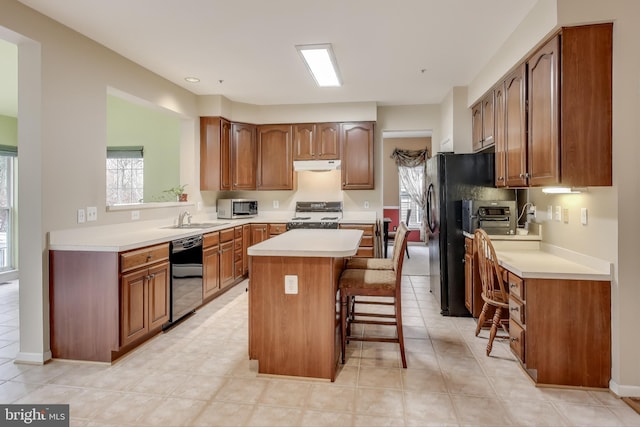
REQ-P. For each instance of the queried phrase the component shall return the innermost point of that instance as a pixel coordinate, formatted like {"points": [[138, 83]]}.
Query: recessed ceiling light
{"points": [[192, 79], [321, 63]]}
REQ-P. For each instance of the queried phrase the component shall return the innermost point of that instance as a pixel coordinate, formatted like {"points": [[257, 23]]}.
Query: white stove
{"points": [[323, 215]]}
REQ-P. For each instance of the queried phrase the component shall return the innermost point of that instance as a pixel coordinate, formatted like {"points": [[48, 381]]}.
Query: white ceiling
{"points": [[400, 52]]}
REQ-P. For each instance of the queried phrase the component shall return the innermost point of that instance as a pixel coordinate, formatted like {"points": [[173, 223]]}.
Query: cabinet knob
{"points": [[514, 339], [513, 285], [501, 178]]}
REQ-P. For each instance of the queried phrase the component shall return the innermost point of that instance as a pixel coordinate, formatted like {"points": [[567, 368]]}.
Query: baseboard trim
{"points": [[33, 358], [622, 390]]}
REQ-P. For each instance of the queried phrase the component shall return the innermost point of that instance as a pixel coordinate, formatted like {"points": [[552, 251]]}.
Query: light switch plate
{"points": [[290, 284], [81, 216], [366, 204], [276, 204], [565, 215], [92, 213], [135, 215], [550, 212], [558, 213], [583, 216]]}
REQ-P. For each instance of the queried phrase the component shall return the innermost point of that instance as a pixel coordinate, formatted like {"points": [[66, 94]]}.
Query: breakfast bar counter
{"points": [[294, 318]]}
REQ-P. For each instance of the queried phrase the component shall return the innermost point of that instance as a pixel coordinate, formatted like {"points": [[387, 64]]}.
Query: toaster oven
{"points": [[237, 208], [497, 217]]}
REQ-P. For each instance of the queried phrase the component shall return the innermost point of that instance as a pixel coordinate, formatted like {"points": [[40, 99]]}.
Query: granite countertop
{"points": [[310, 243]]}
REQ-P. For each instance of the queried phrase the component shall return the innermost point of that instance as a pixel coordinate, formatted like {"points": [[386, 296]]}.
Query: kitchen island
{"points": [[294, 317]]}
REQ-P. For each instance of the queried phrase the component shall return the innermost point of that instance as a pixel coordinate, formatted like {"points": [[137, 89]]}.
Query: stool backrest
{"points": [[493, 287], [399, 245]]}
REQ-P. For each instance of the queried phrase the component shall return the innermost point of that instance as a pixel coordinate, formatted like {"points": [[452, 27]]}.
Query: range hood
{"points": [[316, 165]]}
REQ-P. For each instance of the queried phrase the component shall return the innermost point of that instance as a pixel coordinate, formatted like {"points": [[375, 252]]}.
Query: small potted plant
{"points": [[178, 192]]}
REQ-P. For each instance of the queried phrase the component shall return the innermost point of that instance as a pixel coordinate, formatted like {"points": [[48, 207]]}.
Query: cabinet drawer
{"points": [[516, 310], [238, 270], [227, 235], [366, 241], [237, 232], [277, 229], [516, 286], [517, 339], [237, 244], [210, 239], [143, 257], [367, 230]]}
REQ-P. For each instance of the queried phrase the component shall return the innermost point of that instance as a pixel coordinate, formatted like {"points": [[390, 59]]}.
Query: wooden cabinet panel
{"points": [[328, 141], [158, 296], [516, 310], [134, 317], [515, 125], [516, 286], [238, 256], [275, 160], [517, 340], [476, 126], [227, 235], [468, 282], [366, 248], [227, 264], [215, 154], [543, 69], [304, 141], [259, 233], [210, 271], [356, 145], [482, 122], [500, 137], [246, 242], [243, 156], [143, 257], [275, 229]]}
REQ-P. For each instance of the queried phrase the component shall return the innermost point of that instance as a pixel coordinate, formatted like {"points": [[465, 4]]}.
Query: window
{"points": [[413, 176], [125, 175], [7, 168]]}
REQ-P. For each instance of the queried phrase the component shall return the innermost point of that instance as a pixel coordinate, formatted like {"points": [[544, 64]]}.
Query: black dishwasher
{"points": [[186, 277]]}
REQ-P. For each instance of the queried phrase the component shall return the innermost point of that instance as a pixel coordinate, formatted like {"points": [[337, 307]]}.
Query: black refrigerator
{"points": [[452, 178]]}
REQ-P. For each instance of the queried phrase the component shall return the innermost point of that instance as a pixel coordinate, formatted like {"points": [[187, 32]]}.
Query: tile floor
{"points": [[198, 375]]}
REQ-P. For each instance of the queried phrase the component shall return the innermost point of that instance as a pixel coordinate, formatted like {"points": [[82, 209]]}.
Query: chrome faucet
{"points": [[182, 216]]}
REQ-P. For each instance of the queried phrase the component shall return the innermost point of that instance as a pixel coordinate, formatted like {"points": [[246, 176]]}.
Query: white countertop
{"points": [[133, 235], [310, 243]]}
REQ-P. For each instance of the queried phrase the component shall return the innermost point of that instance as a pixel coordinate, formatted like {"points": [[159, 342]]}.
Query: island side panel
{"points": [[84, 310], [294, 334]]}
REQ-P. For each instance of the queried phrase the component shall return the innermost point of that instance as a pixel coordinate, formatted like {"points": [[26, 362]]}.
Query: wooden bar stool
{"points": [[355, 282]]}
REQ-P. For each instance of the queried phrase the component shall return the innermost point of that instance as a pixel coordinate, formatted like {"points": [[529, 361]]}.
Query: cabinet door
{"points": [[210, 155], [226, 264], [543, 154], [327, 141], [243, 156], [134, 318], [158, 283], [476, 126], [275, 160], [210, 271], [246, 242], [516, 128], [488, 130], [357, 155], [304, 141], [225, 155], [258, 233], [500, 141]]}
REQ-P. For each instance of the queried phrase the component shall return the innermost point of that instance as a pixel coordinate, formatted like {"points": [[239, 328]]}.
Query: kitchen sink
{"points": [[197, 225]]}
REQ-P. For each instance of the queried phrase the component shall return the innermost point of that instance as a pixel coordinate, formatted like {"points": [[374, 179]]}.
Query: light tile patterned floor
{"points": [[198, 375]]}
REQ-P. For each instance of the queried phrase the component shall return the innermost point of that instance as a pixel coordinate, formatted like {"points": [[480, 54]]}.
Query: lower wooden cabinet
{"points": [[367, 243], [560, 330], [259, 233], [210, 265], [227, 262], [144, 290]]}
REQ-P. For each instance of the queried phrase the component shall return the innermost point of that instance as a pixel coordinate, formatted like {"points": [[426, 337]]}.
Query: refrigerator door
{"points": [[455, 177]]}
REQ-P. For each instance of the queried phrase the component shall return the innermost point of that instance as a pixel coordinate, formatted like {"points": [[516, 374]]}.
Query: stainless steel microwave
{"points": [[237, 208]]}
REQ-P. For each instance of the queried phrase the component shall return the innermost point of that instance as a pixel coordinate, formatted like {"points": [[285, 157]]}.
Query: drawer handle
{"points": [[149, 257], [513, 285], [514, 339], [515, 309]]}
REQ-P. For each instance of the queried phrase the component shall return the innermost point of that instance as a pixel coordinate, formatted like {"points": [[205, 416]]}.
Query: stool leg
{"points": [[400, 333], [494, 328], [343, 323], [481, 318]]}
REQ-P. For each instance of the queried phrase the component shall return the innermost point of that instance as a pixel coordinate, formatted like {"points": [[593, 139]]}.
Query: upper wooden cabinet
{"points": [[316, 141], [215, 145], [554, 125], [483, 122], [243, 156], [275, 161], [356, 145]]}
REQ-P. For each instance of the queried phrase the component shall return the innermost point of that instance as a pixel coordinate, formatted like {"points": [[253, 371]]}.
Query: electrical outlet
{"points": [[81, 216], [276, 204], [366, 204], [290, 284], [92, 213], [558, 213], [199, 206], [533, 211], [565, 215], [135, 215], [583, 216]]}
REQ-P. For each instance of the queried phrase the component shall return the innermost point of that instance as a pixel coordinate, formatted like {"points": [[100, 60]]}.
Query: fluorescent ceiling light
{"points": [[321, 62], [560, 190]]}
